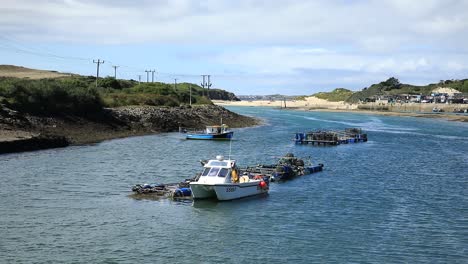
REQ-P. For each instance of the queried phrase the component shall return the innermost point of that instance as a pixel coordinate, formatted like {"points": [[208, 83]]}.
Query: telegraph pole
{"points": [[98, 62], [175, 84], [152, 77], [115, 71], [203, 85], [208, 85], [147, 75]]}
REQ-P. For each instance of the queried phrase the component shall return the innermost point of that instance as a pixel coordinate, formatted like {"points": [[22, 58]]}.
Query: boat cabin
{"points": [[217, 171], [216, 129]]}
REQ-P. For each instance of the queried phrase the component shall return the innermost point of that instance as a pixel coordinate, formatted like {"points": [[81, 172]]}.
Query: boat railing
{"points": [[191, 130]]}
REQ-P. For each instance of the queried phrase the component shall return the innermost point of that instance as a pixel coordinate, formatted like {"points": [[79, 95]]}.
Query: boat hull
{"points": [[221, 136], [226, 192], [202, 191]]}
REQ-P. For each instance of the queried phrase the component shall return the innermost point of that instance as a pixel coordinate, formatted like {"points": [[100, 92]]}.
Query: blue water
{"points": [[399, 198]]}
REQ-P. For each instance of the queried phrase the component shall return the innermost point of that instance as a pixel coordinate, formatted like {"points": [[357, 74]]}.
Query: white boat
{"points": [[220, 179]]}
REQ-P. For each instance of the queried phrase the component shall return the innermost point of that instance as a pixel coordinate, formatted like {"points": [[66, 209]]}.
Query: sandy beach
{"points": [[316, 104], [309, 103]]}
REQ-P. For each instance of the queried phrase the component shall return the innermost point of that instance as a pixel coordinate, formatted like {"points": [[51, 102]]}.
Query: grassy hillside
{"points": [[50, 96], [79, 95], [339, 94], [155, 94], [22, 72], [392, 87]]}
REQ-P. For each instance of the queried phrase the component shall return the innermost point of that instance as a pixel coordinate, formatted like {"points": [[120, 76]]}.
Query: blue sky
{"points": [[247, 46]]}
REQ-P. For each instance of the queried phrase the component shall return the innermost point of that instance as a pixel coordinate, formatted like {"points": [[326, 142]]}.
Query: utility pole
{"points": [[203, 83], [139, 78], [208, 85], [147, 75], [98, 62], [115, 71], [175, 84], [152, 77]]}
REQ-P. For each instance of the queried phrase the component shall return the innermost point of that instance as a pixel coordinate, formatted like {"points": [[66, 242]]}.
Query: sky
{"points": [[248, 47]]}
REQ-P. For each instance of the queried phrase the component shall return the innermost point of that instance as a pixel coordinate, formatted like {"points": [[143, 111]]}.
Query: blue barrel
{"points": [[182, 192]]}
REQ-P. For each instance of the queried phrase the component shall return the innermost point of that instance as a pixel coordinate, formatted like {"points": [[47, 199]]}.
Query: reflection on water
{"points": [[400, 197]]}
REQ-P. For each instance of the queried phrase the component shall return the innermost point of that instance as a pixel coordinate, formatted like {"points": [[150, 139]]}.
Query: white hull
{"points": [[202, 191], [225, 192]]}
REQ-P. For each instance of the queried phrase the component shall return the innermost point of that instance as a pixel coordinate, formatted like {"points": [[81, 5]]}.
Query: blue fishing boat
{"points": [[220, 132]]}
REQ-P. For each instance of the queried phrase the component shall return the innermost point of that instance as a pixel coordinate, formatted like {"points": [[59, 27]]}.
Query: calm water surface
{"points": [[401, 197]]}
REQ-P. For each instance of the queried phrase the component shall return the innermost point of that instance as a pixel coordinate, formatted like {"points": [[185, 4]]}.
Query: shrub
{"points": [[50, 96]]}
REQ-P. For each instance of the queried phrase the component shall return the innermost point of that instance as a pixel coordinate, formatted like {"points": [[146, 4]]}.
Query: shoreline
{"points": [[320, 105], [449, 117], [24, 132]]}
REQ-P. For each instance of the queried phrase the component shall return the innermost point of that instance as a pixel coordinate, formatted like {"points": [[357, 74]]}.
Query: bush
{"points": [[50, 96], [109, 82]]}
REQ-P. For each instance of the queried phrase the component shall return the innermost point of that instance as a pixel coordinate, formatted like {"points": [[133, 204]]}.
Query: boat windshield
{"points": [[223, 172], [214, 171], [205, 171], [218, 163]]}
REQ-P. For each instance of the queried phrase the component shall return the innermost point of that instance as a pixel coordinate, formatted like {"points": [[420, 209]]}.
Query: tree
{"points": [[392, 82]]}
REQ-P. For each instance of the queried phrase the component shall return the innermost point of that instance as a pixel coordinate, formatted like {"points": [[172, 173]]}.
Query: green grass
{"points": [[79, 95], [393, 87], [339, 94]]}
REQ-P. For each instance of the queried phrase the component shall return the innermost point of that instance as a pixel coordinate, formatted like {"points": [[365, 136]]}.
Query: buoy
{"points": [[263, 184], [258, 177], [244, 178]]}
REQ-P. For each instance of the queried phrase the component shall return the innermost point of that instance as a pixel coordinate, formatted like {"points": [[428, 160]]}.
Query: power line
{"points": [[16, 46]]}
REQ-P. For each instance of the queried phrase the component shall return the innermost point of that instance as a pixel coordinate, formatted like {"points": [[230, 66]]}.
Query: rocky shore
{"points": [[24, 132]]}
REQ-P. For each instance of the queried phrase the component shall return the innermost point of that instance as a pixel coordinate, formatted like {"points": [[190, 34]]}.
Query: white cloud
{"points": [[356, 41], [374, 25], [288, 60]]}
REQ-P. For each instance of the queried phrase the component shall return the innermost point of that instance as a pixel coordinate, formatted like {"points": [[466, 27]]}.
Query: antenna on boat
{"points": [[230, 147]]}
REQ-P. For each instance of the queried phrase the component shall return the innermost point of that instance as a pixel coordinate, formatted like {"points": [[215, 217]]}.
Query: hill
{"points": [[392, 86], [337, 95], [22, 72], [63, 109], [46, 92]]}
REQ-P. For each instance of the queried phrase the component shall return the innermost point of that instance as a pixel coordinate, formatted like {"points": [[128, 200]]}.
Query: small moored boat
{"points": [[220, 132], [220, 179]]}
